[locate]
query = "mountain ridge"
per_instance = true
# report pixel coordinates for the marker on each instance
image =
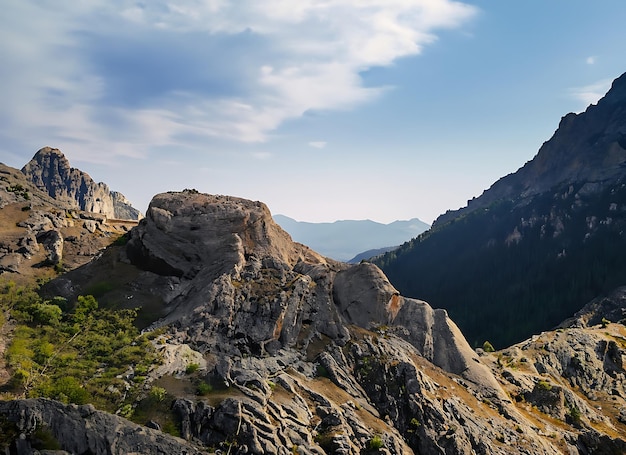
(547, 236)
(595, 153)
(51, 172)
(345, 239)
(258, 344)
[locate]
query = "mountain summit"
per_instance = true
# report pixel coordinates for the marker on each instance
(536, 246)
(588, 147)
(50, 171)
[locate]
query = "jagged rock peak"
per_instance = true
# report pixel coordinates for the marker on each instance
(51, 172)
(617, 93)
(586, 147)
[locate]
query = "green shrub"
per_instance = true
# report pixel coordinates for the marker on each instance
(488, 347)
(575, 416)
(192, 368)
(605, 322)
(46, 313)
(158, 393)
(126, 411)
(73, 357)
(376, 443)
(43, 439)
(204, 388)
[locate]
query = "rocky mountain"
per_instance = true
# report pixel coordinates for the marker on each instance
(536, 246)
(267, 347)
(344, 240)
(586, 148)
(40, 235)
(50, 171)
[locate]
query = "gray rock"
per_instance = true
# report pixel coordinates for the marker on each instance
(52, 241)
(50, 171)
(309, 355)
(82, 429)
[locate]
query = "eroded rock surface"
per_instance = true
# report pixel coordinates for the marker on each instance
(40, 235)
(50, 171)
(298, 353)
(81, 429)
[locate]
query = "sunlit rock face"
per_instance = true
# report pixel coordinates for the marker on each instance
(50, 171)
(309, 355)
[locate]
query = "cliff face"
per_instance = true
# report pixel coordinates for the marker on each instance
(50, 171)
(588, 147)
(309, 355)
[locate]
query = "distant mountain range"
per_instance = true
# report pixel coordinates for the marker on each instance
(346, 240)
(539, 243)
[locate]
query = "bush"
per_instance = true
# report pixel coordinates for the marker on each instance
(544, 385)
(74, 357)
(158, 393)
(376, 443)
(46, 313)
(192, 368)
(488, 347)
(204, 388)
(575, 416)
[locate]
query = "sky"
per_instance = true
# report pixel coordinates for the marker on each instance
(323, 109)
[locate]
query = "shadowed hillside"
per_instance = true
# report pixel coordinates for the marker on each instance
(539, 243)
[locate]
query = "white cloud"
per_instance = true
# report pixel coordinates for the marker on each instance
(591, 60)
(308, 55)
(317, 144)
(590, 94)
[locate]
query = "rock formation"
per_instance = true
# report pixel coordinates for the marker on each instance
(586, 147)
(34, 423)
(308, 355)
(50, 171)
(40, 235)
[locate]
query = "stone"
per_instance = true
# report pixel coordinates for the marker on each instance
(50, 171)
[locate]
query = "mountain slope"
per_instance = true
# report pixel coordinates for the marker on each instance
(536, 246)
(41, 235)
(343, 240)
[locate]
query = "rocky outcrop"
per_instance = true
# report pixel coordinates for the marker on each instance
(541, 242)
(571, 375)
(50, 171)
(609, 308)
(300, 353)
(366, 298)
(40, 235)
(39, 424)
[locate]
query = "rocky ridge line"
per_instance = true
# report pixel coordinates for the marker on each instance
(50, 171)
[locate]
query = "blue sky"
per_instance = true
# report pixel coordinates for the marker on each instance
(322, 109)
